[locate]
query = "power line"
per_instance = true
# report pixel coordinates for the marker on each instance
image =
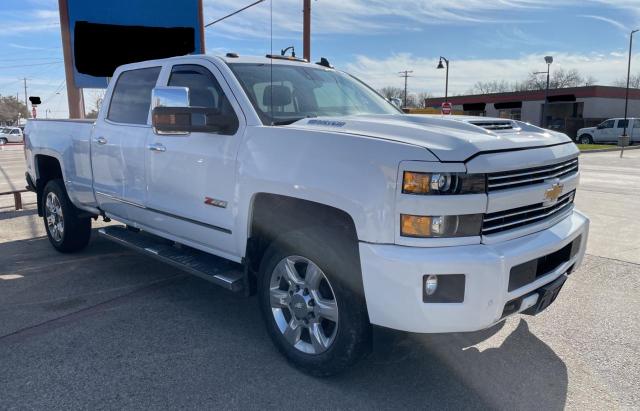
(234, 13)
(30, 65)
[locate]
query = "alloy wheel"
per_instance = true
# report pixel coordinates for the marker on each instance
(53, 214)
(303, 304)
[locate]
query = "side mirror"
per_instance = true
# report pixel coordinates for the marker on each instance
(599, 126)
(170, 97)
(171, 114)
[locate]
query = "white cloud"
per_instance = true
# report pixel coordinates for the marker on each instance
(463, 74)
(613, 22)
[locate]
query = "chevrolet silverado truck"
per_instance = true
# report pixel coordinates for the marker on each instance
(298, 183)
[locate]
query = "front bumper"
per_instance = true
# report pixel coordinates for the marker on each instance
(393, 278)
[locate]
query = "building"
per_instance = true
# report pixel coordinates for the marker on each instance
(568, 110)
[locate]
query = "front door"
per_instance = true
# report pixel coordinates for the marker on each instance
(605, 131)
(118, 144)
(191, 178)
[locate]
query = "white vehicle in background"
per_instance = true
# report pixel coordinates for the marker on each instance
(297, 182)
(11, 135)
(609, 130)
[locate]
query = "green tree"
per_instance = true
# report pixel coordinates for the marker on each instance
(10, 108)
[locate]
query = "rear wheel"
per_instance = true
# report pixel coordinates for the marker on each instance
(315, 313)
(585, 139)
(67, 231)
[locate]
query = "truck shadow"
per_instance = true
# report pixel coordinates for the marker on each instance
(521, 373)
(199, 329)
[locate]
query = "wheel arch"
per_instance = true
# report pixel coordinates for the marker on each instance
(47, 168)
(271, 215)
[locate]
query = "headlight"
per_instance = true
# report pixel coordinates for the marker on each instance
(467, 225)
(442, 183)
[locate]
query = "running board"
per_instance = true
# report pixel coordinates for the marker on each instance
(215, 269)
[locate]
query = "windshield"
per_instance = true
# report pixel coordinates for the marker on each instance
(297, 92)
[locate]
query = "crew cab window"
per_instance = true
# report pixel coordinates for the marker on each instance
(636, 123)
(204, 89)
(623, 123)
(131, 97)
(15, 132)
(607, 124)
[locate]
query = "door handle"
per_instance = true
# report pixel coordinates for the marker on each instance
(101, 140)
(157, 147)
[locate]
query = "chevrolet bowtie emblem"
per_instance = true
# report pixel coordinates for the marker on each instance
(551, 194)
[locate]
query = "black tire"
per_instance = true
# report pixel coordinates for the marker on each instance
(585, 139)
(76, 230)
(3, 141)
(339, 262)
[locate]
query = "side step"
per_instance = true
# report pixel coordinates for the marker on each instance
(218, 270)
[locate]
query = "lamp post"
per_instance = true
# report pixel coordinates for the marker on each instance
(446, 84)
(548, 60)
(626, 97)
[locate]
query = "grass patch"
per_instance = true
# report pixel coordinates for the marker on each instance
(587, 147)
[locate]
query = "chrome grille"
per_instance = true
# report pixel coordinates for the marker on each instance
(516, 217)
(523, 177)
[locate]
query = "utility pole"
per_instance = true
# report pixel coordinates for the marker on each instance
(25, 96)
(306, 30)
(406, 75)
(626, 97)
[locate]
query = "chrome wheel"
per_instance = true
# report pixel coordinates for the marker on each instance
(303, 304)
(585, 140)
(53, 215)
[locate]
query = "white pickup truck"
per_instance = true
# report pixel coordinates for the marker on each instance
(609, 130)
(299, 183)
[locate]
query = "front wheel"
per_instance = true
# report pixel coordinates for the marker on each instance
(67, 231)
(585, 139)
(3, 141)
(314, 310)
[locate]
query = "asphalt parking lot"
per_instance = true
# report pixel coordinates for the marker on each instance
(109, 329)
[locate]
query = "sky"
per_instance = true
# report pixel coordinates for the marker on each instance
(483, 39)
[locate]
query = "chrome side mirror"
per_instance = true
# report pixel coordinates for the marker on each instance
(170, 97)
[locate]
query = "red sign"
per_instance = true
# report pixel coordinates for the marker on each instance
(33, 112)
(446, 108)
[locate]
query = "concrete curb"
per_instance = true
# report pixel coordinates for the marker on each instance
(604, 150)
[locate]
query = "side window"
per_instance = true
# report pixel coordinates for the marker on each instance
(623, 123)
(15, 132)
(204, 89)
(608, 124)
(131, 97)
(636, 123)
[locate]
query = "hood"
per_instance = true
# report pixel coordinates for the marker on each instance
(447, 138)
(586, 129)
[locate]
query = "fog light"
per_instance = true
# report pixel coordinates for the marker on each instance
(431, 284)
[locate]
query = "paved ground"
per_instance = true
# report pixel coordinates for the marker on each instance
(110, 329)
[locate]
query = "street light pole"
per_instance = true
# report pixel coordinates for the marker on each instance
(446, 82)
(548, 60)
(626, 97)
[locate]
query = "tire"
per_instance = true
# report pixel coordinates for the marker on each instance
(67, 231)
(585, 139)
(3, 141)
(318, 345)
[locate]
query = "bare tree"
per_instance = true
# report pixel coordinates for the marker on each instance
(560, 78)
(390, 92)
(97, 103)
(493, 86)
(423, 96)
(634, 81)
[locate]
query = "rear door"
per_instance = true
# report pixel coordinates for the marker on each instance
(191, 178)
(118, 143)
